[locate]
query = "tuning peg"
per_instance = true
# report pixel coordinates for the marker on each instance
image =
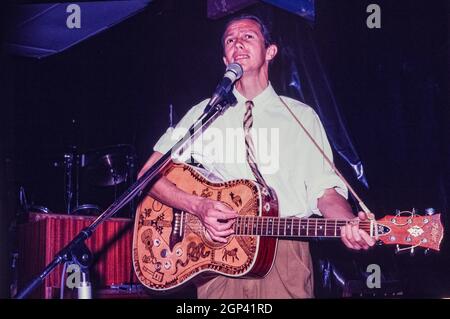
(430, 211)
(426, 251)
(397, 249)
(411, 252)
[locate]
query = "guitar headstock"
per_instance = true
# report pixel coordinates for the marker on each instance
(408, 228)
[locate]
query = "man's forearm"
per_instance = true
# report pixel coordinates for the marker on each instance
(167, 193)
(333, 205)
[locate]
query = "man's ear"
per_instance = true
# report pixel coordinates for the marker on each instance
(271, 52)
(225, 61)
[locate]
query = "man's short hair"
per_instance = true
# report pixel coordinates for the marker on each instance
(262, 26)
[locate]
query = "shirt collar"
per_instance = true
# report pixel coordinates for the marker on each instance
(261, 99)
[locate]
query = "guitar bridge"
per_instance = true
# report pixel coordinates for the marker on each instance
(177, 228)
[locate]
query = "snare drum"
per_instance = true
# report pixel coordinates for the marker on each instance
(86, 210)
(39, 209)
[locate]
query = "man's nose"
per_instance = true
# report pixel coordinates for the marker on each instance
(239, 44)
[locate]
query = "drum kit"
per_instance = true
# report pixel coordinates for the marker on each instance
(105, 167)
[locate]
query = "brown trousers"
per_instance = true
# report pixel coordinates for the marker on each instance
(290, 277)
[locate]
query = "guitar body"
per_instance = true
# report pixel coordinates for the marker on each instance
(171, 247)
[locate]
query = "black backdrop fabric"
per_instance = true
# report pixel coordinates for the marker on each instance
(116, 88)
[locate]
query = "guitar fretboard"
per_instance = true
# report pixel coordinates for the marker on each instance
(291, 226)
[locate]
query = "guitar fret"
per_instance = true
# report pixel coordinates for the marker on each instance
(246, 225)
(260, 225)
(284, 234)
(325, 232)
(247, 228)
(300, 222)
(292, 226)
(307, 227)
(315, 228)
(335, 228)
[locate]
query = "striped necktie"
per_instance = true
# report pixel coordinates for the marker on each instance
(250, 147)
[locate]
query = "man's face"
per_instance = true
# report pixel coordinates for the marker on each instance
(244, 44)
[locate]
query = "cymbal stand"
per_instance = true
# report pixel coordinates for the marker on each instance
(68, 166)
(71, 179)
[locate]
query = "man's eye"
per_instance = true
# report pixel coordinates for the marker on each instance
(248, 36)
(228, 41)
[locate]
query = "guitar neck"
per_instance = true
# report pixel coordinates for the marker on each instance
(293, 227)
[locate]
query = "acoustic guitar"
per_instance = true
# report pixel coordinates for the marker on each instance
(170, 246)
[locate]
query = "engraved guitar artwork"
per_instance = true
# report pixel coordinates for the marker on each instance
(170, 247)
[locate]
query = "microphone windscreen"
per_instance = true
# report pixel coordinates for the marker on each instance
(235, 69)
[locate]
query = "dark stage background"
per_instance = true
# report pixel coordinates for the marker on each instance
(116, 88)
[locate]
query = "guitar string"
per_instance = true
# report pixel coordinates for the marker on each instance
(298, 222)
(278, 230)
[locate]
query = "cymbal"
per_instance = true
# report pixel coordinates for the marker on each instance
(109, 166)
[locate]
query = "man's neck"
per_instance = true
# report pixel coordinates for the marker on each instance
(251, 86)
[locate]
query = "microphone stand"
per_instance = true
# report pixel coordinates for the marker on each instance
(76, 250)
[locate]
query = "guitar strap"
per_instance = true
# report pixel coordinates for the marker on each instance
(363, 206)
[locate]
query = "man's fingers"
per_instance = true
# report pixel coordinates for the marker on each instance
(344, 238)
(351, 238)
(227, 211)
(369, 240)
(221, 215)
(218, 226)
(220, 236)
(363, 215)
(356, 238)
(222, 233)
(355, 234)
(216, 238)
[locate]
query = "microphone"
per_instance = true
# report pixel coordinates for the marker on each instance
(232, 74)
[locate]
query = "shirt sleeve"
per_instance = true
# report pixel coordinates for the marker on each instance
(173, 135)
(319, 175)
